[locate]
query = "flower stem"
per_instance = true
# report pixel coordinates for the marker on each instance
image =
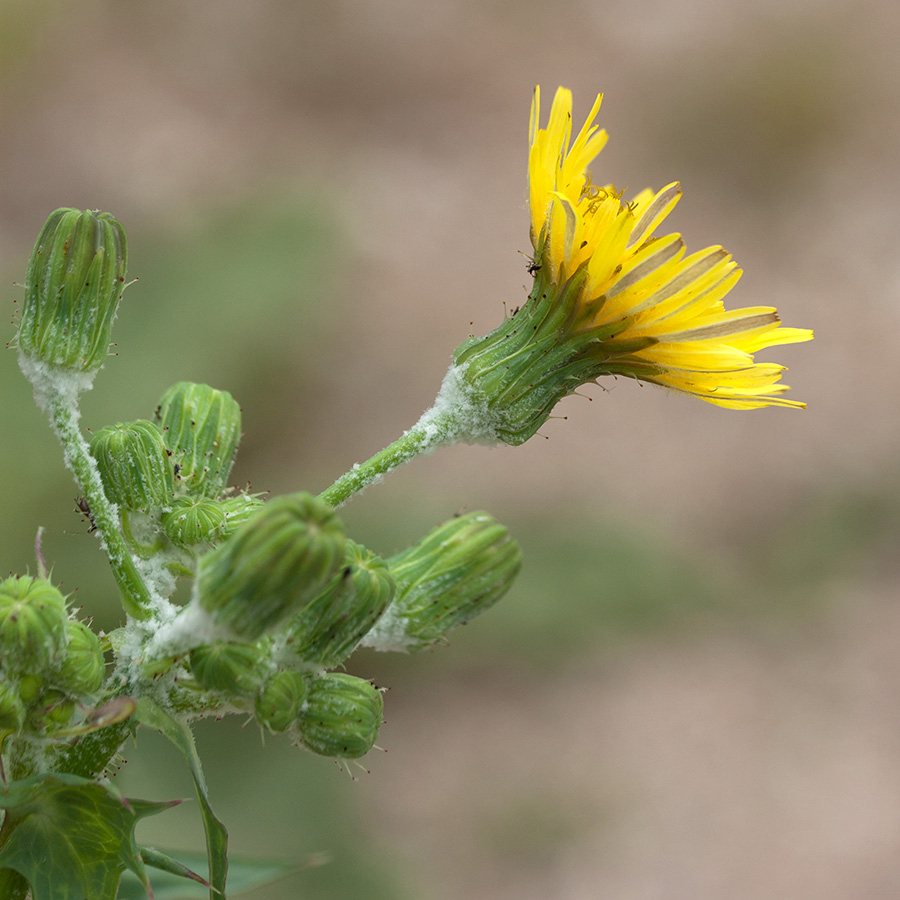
(435, 429)
(58, 398)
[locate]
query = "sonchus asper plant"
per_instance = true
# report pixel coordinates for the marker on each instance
(280, 595)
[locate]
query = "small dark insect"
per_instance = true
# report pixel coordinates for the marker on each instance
(177, 469)
(83, 507)
(533, 268)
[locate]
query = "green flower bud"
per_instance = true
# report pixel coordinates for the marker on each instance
(12, 709)
(238, 509)
(274, 564)
(341, 717)
(456, 572)
(83, 668)
(134, 465)
(280, 700)
(32, 624)
(194, 520)
(202, 428)
(72, 289)
(229, 668)
(329, 629)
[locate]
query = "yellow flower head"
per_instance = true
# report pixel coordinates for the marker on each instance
(610, 298)
(657, 313)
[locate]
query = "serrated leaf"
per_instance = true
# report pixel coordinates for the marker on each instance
(243, 875)
(154, 716)
(72, 838)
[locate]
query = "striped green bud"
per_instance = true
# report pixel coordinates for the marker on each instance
(238, 509)
(341, 717)
(330, 628)
(194, 521)
(278, 561)
(12, 709)
(280, 700)
(134, 465)
(456, 572)
(33, 621)
(202, 428)
(229, 668)
(83, 668)
(72, 289)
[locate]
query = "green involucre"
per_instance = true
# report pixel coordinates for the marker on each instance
(341, 716)
(33, 621)
(72, 289)
(456, 572)
(201, 426)
(279, 560)
(329, 629)
(134, 465)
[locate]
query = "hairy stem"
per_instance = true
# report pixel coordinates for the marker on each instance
(58, 397)
(435, 429)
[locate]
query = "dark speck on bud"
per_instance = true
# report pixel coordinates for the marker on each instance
(72, 289)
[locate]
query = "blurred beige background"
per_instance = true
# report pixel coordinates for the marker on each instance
(323, 199)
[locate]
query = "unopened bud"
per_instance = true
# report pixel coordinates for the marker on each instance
(134, 465)
(280, 700)
(83, 668)
(238, 509)
(202, 428)
(341, 717)
(328, 630)
(72, 288)
(32, 624)
(456, 572)
(229, 668)
(274, 564)
(194, 521)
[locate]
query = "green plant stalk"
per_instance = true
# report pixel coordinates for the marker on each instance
(64, 416)
(429, 433)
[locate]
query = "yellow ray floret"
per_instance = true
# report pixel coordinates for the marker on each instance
(650, 311)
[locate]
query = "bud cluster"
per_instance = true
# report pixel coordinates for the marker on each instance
(49, 662)
(288, 597)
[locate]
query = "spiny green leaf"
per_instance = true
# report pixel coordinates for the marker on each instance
(72, 838)
(243, 875)
(154, 716)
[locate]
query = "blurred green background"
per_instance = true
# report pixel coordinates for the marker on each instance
(691, 691)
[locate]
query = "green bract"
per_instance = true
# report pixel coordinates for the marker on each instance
(329, 629)
(275, 563)
(453, 574)
(341, 716)
(32, 624)
(134, 465)
(72, 288)
(202, 428)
